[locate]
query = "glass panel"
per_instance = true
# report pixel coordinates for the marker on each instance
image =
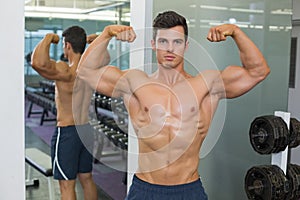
(268, 23)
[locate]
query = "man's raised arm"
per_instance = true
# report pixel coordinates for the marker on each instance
(91, 66)
(41, 61)
(239, 80)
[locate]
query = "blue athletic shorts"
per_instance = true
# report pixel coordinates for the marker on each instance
(70, 151)
(141, 190)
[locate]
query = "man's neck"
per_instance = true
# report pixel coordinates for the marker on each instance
(74, 59)
(170, 76)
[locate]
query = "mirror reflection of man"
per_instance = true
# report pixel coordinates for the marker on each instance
(71, 158)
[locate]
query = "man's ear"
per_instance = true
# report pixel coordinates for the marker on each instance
(153, 45)
(68, 45)
(186, 45)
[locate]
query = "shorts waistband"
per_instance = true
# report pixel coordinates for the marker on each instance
(72, 126)
(165, 188)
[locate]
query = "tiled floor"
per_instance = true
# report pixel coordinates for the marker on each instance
(42, 192)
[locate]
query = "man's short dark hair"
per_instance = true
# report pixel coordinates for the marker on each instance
(169, 19)
(76, 36)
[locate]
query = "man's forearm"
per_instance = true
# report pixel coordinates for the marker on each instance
(96, 55)
(40, 56)
(93, 59)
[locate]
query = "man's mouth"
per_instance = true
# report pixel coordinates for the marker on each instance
(169, 58)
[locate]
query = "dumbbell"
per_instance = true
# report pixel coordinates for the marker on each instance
(115, 138)
(293, 175)
(104, 130)
(119, 108)
(109, 133)
(270, 182)
(98, 101)
(269, 134)
(266, 182)
(104, 102)
(114, 125)
(123, 142)
(108, 104)
(294, 133)
(98, 126)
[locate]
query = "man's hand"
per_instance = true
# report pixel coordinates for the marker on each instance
(219, 33)
(121, 32)
(54, 37)
(90, 38)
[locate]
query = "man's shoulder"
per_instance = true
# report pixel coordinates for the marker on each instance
(136, 73)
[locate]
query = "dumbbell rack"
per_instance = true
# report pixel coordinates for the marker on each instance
(274, 135)
(109, 121)
(44, 98)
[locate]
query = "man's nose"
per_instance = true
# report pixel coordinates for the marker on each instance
(170, 47)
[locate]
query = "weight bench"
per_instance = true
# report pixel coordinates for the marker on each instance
(42, 163)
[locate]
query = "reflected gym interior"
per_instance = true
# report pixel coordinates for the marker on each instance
(256, 155)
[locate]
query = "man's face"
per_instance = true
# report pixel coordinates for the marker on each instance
(170, 46)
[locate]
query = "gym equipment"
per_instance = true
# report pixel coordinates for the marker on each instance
(45, 101)
(110, 123)
(112, 116)
(293, 175)
(44, 96)
(269, 134)
(266, 182)
(294, 138)
(47, 86)
(269, 182)
(42, 163)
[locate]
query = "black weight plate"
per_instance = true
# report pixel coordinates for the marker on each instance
(268, 134)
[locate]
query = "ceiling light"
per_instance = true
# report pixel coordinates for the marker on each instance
(52, 9)
(282, 12)
(74, 16)
(213, 7)
(246, 10)
(69, 10)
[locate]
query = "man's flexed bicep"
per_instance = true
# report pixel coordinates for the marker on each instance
(240, 79)
(45, 66)
(229, 83)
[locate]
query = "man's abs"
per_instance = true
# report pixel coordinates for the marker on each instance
(158, 169)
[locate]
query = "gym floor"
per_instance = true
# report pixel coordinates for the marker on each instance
(41, 192)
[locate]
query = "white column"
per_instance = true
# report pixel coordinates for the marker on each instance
(140, 54)
(12, 167)
(280, 159)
